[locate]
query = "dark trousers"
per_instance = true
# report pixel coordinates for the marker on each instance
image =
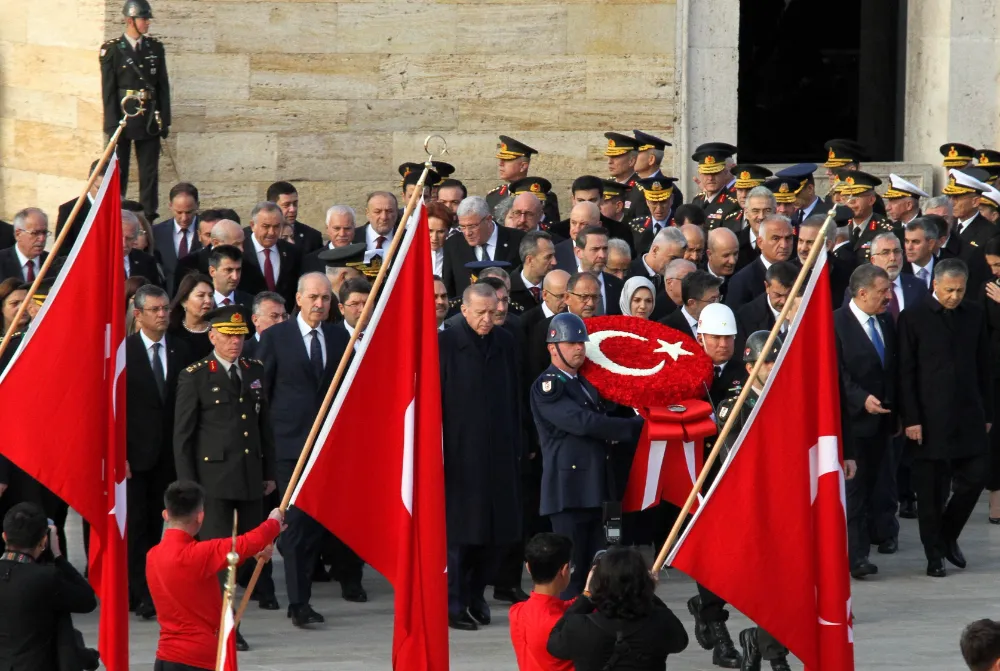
(713, 606)
(904, 474)
(511, 569)
(770, 647)
(160, 665)
(940, 522)
(585, 527)
(299, 544)
(870, 452)
(144, 494)
(219, 524)
(470, 568)
(993, 478)
(147, 154)
(885, 498)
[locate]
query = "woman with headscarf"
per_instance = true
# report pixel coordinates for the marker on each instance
(638, 297)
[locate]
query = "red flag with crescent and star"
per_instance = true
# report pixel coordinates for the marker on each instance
(780, 493)
(78, 448)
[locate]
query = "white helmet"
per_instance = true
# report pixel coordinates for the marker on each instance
(717, 319)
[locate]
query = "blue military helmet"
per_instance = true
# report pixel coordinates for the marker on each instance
(567, 327)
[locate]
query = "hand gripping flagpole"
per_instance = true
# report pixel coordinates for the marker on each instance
(342, 367)
(40, 275)
(232, 558)
(807, 267)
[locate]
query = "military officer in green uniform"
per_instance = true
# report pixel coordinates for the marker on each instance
(843, 156)
(748, 176)
(757, 644)
(717, 196)
(514, 161)
(647, 165)
(657, 194)
(223, 438)
(135, 64)
(857, 190)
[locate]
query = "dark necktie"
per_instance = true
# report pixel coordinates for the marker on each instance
(226, 301)
(268, 270)
(718, 372)
(893, 304)
(379, 241)
(182, 249)
(29, 271)
(583, 385)
(316, 353)
(855, 234)
(234, 377)
(486, 253)
(158, 374)
(536, 294)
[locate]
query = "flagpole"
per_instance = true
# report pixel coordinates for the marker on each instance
(40, 275)
(227, 596)
(345, 358)
(807, 267)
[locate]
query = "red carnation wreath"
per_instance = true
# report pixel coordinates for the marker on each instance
(644, 364)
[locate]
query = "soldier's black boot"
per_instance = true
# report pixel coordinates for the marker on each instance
(724, 653)
(701, 631)
(780, 664)
(751, 650)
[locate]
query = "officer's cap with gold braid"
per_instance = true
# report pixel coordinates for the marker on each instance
(230, 320)
(509, 149)
(991, 198)
(803, 172)
(656, 189)
(537, 186)
(989, 160)
(647, 141)
(42, 292)
(900, 188)
(749, 175)
(783, 188)
(855, 182)
(620, 144)
(956, 154)
(843, 152)
(961, 182)
(711, 157)
(613, 189)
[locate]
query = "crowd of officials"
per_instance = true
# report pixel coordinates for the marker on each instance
(235, 333)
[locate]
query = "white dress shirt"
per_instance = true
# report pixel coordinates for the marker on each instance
(275, 257)
(897, 288)
(863, 318)
(600, 280)
(132, 42)
(812, 209)
(546, 311)
(962, 225)
(371, 240)
(528, 285)
(148, 344)
(777, 314)
(692, 322)
(22, 260)
(350, 334)
(179, 232)
(437, 260)
(491, 246)
(929, 268)
(307, 336)
(219, 298)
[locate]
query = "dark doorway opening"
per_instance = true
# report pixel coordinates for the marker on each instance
(811, 71)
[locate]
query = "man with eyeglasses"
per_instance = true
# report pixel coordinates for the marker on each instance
(137, 263)
(481, 239)
(24, 260)
(887, 254)
(760, 203)
(698, 289)
(152, 363)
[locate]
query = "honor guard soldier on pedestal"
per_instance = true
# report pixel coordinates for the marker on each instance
(134, 64)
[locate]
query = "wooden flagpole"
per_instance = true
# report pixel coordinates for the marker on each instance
(105, 157)
(734, 413)
(342, 367)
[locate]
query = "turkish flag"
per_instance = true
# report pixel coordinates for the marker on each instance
(379, 485)
(79, 452)
(227, 661)
(780, 494)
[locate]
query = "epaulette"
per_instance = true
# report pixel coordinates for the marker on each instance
(195, 366)
(106, 47)
(13, 335)
(517, 306)
(152, 39)
(455, 302)
(495, 189)
(640, 225)
(700, 194)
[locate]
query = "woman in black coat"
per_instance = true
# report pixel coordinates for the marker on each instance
(991, 301)
(618, 624)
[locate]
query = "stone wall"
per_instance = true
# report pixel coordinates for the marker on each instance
(335, 95)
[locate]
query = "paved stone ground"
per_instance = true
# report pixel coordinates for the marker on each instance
(904, 620)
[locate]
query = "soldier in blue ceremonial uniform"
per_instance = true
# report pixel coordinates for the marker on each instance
(575, 434)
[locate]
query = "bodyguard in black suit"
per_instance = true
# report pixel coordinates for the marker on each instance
(278, 261)
(6, 235)
(153, 363)
(954, 247)
(946, 406)
(37, 597)
(866, 355)
(761, 313)
(481, 239)
(300, 358)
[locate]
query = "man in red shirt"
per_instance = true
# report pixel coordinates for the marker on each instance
(547, 557)
(183, 578)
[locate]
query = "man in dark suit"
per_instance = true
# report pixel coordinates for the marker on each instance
(153, 363)
(268, 310)
(667, 245)
(37, 597)
(964, 189)
(722, 252)
(278, 261)
(761, 313)
(581, 216)
(698, 290)
(223, 438)
(776, 243)
(838, 269)
(25, 259)
(66, 209)
(591, 255)
(137, 262)
(481, 239)
(340, 228)
(176, 238)
(300, 358)
(866, 354)
(760, 203)
(887, 254)
(952, 246)
(6, 235)
(946, 406)
(306, 238)
(538, 258)
(225, 265)
(224, 232)
(383, 214)
(589, 188)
